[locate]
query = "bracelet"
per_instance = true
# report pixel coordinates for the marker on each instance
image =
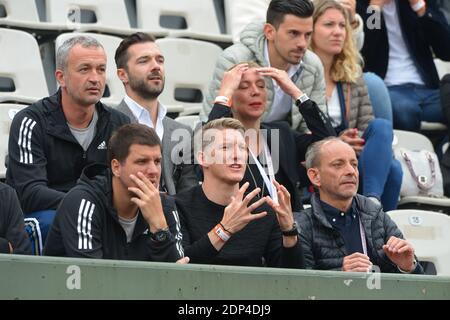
(223, 227)
(223, 100)
(221, 233)
(418, 6)
(291, 232)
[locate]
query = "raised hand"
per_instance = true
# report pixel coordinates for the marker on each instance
(350, 6)
(238, 213)
(284, 214)
(149, 202)
(283, 80)
(231, 80)
(351, 137)
(400, 252)
(283, 208)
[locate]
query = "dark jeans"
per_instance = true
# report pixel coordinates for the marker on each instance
(412, 103)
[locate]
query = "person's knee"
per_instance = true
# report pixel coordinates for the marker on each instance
(381, 128)
(379, 96)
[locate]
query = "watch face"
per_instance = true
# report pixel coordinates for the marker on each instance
(160, 235)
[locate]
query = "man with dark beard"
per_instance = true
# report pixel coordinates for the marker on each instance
(140, 66)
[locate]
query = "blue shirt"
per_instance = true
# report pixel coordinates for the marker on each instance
(347, 224)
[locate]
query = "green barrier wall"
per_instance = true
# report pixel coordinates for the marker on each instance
(31, 277)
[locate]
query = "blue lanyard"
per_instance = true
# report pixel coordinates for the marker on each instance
(344, 122)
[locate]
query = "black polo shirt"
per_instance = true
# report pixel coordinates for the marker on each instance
(347, 224)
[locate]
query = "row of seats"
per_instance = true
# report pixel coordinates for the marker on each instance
(193, 19)
(189, 68)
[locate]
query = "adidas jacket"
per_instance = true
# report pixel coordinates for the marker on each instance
(45, 159)
(86, 225)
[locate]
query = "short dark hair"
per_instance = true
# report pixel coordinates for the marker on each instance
(121, 56)
(279, 8)
(127, 135)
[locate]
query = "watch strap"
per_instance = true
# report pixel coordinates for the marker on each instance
(291, 232)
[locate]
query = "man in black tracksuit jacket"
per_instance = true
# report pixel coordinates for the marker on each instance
(119, 213)
(45, 171)
(52, 140)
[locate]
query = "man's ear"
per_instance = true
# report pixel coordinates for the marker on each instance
(269, 31)
(115, 167)
(59, 75)
(314, 176)
(201, 159)
(123, 76)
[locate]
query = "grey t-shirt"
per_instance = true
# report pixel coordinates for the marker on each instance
(128, 226)
(86, 135)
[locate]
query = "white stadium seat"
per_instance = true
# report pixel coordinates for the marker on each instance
(189, 64)
(20, 61)
(7, 113)
(429, 233)
(200, 16)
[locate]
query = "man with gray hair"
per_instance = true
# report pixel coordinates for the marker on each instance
(52, 140)
(343, 230)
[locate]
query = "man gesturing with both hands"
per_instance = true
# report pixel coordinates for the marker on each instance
(221, 224)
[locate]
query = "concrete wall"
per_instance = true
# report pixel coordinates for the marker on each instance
(32, 277)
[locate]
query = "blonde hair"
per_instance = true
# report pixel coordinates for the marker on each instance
(251, 65)
(219, 124)
(347, 64)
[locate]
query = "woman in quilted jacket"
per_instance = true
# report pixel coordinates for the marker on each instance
(349, 106)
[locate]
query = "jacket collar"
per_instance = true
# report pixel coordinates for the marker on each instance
(98, 178)
(57, 121)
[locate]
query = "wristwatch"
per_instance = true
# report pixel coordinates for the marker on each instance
(160, 235)
(291, 232)
(304, 97)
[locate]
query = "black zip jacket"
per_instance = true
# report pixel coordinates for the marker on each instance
(423, 36)
(292, 145)
(12, 229)
(86, 225)
(45, 159)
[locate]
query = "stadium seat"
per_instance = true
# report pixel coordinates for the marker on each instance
(416, 141)
(443, 67)
(432, 126)
(23, 14)
(7, 113)
(104, 16)
(429, 233)
(189, 64)
(190, 121)
(411, 140)
(200, 17)
(114, 85)
(21, 66)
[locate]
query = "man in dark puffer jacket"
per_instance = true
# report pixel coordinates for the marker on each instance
(343, 230)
